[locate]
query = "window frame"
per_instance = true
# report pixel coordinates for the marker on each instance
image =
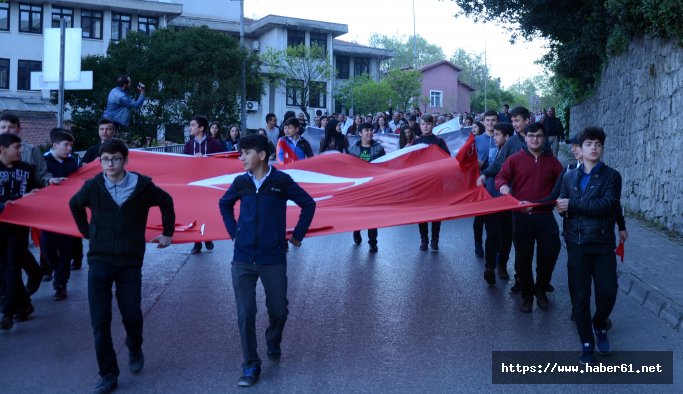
(361, 60)
(63, 12)
(24, 75)
(92, 17)
(294, 100)
(347, 64)
(117, 22)
(291, 33)
(432, 95)
(7, 62)
(147, 23)
(317, 94)
(316, 38)
(31, 12)
(6, 7)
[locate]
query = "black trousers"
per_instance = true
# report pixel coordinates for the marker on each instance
(478, 228)
(59, 253)
(128, 282)
(372, 236)
(274, 281)
(13, 249)
(541, 231)
(424, 231)
(498, 238)
(596, 264)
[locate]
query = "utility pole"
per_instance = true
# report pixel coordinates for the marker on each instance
(486, 74)
(62, 50)
(414, 40)
(243, 94)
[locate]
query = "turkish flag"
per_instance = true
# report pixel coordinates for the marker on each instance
(415, 184)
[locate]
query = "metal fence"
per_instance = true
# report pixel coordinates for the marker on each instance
(177, 148)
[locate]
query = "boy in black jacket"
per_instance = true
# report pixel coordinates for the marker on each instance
(259, 236)
(119, 203)
(16, 180)
(589, 200)
(58, 248)
(427, 137)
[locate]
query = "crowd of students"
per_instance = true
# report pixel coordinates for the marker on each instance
(515, 159)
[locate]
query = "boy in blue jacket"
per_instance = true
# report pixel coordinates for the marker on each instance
(259, 236)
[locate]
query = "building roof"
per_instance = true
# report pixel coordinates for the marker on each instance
(466, 85)
(36, 126)
(342, 47)
(437, 64)
(254, 28)
(143, 7)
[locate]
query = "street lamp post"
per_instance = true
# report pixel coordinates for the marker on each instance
(243, 72)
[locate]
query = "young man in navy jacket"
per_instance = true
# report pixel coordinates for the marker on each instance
(259, 236)
(589, 201)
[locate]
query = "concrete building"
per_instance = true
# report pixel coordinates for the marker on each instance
(442, 91)
(22, 24)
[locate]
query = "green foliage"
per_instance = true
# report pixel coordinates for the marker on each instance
(403, 51)
(301, 67)
(405, 85)
(581, 33)
(186, 72)
(365, 95)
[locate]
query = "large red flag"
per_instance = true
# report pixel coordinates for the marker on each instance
(416, 184)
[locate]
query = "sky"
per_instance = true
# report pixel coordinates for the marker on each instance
(434, 20)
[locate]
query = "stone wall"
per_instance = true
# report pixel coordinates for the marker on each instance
(639, 103)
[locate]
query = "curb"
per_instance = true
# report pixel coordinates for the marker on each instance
(651, 299)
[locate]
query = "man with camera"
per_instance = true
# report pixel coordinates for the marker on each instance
(119, 103)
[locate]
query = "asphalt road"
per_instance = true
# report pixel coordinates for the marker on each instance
(401, 320)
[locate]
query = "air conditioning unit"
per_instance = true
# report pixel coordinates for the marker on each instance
(252, 106)
(256, 45)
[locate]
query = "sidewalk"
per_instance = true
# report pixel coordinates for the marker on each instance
(652, 273)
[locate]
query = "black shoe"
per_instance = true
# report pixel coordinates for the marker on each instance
(550, 288)
(24, 315)
(435, 245)
(609, 324)
(373, 249)
(503, 273)
(197, 248)
(60, 294)
(33, 284)
(106, 384)
(516, 288)
(6, 323)
(527, 304)
(209, 245)
(249, 376)
(490, 276)
(274, 357)
(47, 277)
(357, 239)
(136, 360)
(423, 245)
(479, 250)
(542, 300)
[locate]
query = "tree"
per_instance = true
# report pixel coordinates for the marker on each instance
(301, 71)
(365, 95)
(405, 86)
(186, 72)
(403, 51)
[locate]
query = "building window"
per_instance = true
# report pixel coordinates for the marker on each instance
(26, 67)
(147, 25)
(361, 65)
(120, 26)
(4, 73)
(320, 39)
(342, 67)
(4, 16)
(296, 38)
(317, 95)
(30, 18)
(435, 98)
(294, 92)
(66, 13)
(91, 23)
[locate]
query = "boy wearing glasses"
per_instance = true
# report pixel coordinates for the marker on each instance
(119, 203)
(530, 176)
